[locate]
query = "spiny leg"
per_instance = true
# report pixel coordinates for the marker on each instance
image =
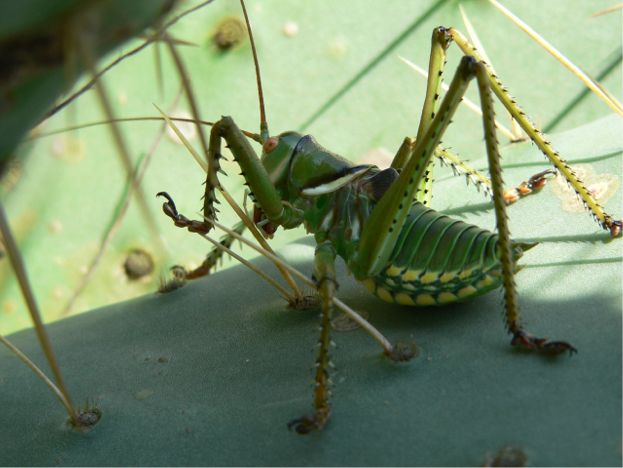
(437, 61)
(603, 218)
(534, 184)
(520, 337)
(436, 64)
(381, 231)
(324, 273)
(440, 42)
(388, 217)
(256, 177)
(215, 255)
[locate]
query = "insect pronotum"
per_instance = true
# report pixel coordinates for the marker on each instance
(378, 221)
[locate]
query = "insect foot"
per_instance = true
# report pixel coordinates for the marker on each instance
(179, 219)
(308, 424)
(532, 343)
(402, 352)
(177, 281)
(533, 184)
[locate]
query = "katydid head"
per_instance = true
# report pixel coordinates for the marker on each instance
(276, 154)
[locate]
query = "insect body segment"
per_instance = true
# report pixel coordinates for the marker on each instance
(438, 260)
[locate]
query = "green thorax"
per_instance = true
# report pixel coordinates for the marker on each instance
(334, 196)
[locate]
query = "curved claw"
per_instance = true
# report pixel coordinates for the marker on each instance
(558, 347)
(169, 209)
(616, 228)
(532, 343)
(304, 425)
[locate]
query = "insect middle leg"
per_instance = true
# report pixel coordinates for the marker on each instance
(324, 275)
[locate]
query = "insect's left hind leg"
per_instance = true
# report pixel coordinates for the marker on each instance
(324, 274)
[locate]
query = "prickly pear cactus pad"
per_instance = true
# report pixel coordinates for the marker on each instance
(210, 374)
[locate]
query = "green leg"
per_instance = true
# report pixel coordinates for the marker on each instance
(437, 60)
(525, 188)
(256, 177)
(215, 254)
(603, 218)
(382, 228)
(441, 39)
(520, 337)
(324, 274)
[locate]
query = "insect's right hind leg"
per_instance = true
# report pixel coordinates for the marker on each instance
(605, 220)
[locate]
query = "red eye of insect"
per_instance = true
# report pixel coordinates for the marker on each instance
(270, 144)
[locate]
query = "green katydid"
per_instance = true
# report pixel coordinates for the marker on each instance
(378, 221)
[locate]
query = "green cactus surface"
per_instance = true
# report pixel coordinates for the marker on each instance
(324, 73)
(210, 374)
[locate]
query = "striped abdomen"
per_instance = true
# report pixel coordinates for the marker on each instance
(439, 260)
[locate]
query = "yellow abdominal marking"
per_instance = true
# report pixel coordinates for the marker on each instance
(484, 282)
(425, 299)
(466, 291)
(428, 278)
(446, 297)
(404, 299)
(447, 277)
(410, 275)
(393, 271)
(384, 294)
(465, 274)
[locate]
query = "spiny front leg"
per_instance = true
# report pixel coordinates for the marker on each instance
(520, 337)
(216, 254)
(324, 273)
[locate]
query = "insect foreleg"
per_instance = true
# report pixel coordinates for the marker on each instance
(520, 338)
(324, 274)
(256, 177)
(215, 254)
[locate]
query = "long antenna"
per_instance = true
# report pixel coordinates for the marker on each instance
(263, 124)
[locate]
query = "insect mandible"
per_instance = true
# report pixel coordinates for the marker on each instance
(378, 221)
